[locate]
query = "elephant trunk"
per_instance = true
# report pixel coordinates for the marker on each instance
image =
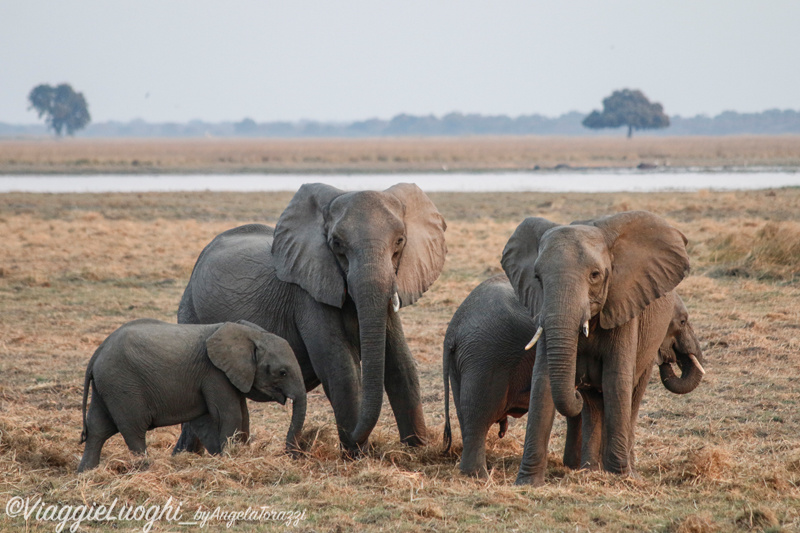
(298, 419)
(371, 287)
(691, 369)
(561, 331)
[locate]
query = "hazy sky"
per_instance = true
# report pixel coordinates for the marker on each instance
(166, 60)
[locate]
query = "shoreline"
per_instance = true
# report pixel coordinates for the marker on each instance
(559, 169)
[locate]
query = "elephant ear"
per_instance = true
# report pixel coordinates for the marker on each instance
(231, 349)
(519, 256)
(300, 247)
(425, 250)
(649, 259)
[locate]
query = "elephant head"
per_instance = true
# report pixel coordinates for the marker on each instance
(597, 273)
(263, 367)
(682, 347)
(381, 249)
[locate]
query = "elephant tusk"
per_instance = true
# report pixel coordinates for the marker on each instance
(395, 302)
(585, 329)
(697, 363)
(534, 339)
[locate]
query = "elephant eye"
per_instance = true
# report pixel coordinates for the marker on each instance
(282, 373)
(596, 275)
(400, 241)
(338, 245)
(683, 322)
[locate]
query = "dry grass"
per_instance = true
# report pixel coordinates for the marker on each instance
(391, 155)
(724, 458)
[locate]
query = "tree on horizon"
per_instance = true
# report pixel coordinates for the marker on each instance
(62, 107)
(628, 108)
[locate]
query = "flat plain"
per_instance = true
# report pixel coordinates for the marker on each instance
(74, 267)
(402, 154)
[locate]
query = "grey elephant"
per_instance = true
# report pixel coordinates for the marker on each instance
(486, 361)
(149, 374)
(330, 279)
(595, 288)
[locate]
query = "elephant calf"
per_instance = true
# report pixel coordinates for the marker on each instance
(485, 360)
(149, 374)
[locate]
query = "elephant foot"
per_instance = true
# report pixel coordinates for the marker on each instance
(352, 453)
(590, 465)
(414, 441)
(622, 470)
(188, 442)
(633, 474)
(531, 480)
(480, 473)
(294, 450)
(572, 462)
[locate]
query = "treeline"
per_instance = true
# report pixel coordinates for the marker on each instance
(771, 122)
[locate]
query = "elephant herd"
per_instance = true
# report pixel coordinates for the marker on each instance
(270, 313)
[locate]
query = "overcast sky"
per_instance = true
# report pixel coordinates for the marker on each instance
(344, 60)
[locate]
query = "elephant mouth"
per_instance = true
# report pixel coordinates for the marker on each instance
(280, 398)
(267, 396)
(684, 361)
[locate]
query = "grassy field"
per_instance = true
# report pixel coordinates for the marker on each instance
(391, 155)
(724, 458)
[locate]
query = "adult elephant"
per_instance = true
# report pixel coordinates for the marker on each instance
(486, 361)
(330, 279)
(595, 288)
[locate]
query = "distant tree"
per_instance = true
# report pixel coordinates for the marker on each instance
(247, 126)
(62, 107)
(628, 108)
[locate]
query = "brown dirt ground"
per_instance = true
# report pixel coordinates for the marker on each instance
(725, 458)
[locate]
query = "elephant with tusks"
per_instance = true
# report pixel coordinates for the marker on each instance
(330, 278)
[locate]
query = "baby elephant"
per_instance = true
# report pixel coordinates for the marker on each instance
(485, 360)
(149, 374)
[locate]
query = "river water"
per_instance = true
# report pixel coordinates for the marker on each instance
(432, 182)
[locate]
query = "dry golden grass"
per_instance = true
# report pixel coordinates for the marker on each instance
(391, 154)
(724, 458)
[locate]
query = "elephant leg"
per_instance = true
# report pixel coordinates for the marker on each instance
(480, 404)
(341, 388)
(638, 394)
(224, 412)
(541, 412)
(473, 458)
(335, 362)
(135, 439)
(592, 430)
(131, 416)
(618, 371)
(188, 441)
(205, 430)
(401, 382)
(572, 446)
(99, 428)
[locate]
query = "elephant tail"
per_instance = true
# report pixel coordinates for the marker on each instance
(448, 434)
(86, 383)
